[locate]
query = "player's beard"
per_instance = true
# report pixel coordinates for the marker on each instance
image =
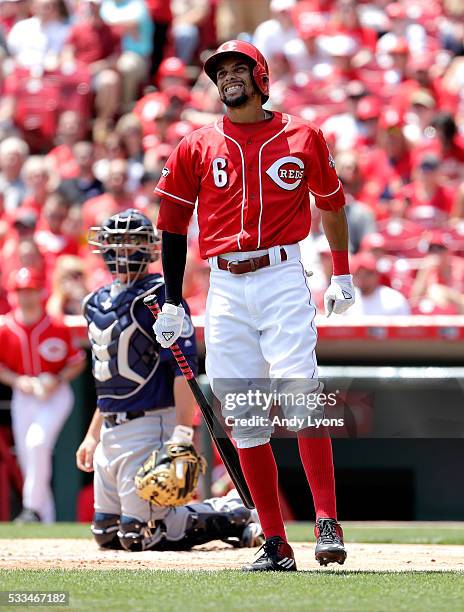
(240, 100)
(236, 102)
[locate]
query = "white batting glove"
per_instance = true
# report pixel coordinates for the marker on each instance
(339, 295)
(168, 325)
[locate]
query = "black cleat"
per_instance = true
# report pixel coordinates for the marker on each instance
(27, 516)
(277, 557)
(329, 546)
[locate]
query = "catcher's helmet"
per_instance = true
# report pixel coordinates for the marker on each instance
(240, 47)
(128, 242)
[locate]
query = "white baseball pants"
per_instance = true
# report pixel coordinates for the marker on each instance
(259, 325)
(36, 426)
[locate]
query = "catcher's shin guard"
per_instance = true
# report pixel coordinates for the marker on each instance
(206, 526)
(202, 526)
(136, 536)
(105, 530)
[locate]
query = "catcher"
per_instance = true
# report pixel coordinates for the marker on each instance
(139, 442)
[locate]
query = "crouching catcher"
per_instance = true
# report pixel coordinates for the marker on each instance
(139, 442)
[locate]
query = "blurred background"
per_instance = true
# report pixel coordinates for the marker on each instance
(95, 94)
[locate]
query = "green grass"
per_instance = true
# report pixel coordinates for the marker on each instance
(400, 533)
(36, 530)
(168, 591)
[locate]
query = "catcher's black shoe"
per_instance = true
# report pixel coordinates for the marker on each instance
(28, 516)
(329, 547)
(277, 557)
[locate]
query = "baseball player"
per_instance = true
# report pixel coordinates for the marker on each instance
(143, 403)
(248, 176)
(38, 360)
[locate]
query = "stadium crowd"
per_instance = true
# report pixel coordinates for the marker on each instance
(95, 94)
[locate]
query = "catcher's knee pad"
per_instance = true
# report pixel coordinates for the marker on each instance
(134, 535)
(105, 530)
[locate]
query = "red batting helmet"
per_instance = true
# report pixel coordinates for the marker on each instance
(240, 47)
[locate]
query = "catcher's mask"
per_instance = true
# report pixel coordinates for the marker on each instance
(128, 242)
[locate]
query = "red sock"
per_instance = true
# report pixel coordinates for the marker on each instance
(316, 456)
(260, 471)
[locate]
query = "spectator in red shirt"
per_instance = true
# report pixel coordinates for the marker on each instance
(94, 43)
(20, 225)
(85, 185)
(439, 284)
(50, 236)
(387, 167)
(363, 187)
(428, 200)
(421, 112)
(12, 11)
(398, 56)
(345, 20)
(343, 49)
(68, 133)
(116, 198)
(457, 212)
(368, 112)
(419, 76)
(20, 249)
(4, 303)
(396, 148)
(36, 177)
(449, 146)
(172, 72)
(129, 130)
(68, 287)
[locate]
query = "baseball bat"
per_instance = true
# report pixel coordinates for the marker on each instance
(226, 449)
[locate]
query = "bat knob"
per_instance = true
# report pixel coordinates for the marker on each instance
(150, 300)
(152, 303)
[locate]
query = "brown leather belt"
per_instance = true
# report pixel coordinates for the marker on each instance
(247, 265)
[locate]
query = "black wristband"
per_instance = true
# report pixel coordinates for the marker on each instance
(174, 257)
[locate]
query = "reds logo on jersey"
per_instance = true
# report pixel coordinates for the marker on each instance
(53, 349)
(287, 172)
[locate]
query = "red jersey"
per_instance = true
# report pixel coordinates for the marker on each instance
(442, 199)
(98, 209)
(160, 10)
(252, 182)
(93, 42)
(46, 346)
(62, 159)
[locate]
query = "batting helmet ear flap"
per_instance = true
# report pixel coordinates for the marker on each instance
(261, 79)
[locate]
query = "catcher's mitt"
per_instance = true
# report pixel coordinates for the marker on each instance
(169, 477)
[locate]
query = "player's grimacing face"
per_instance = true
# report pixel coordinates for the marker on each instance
(234, 82)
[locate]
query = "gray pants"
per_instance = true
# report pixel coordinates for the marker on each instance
(121, 451)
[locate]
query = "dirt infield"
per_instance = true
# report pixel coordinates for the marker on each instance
(84, 554)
